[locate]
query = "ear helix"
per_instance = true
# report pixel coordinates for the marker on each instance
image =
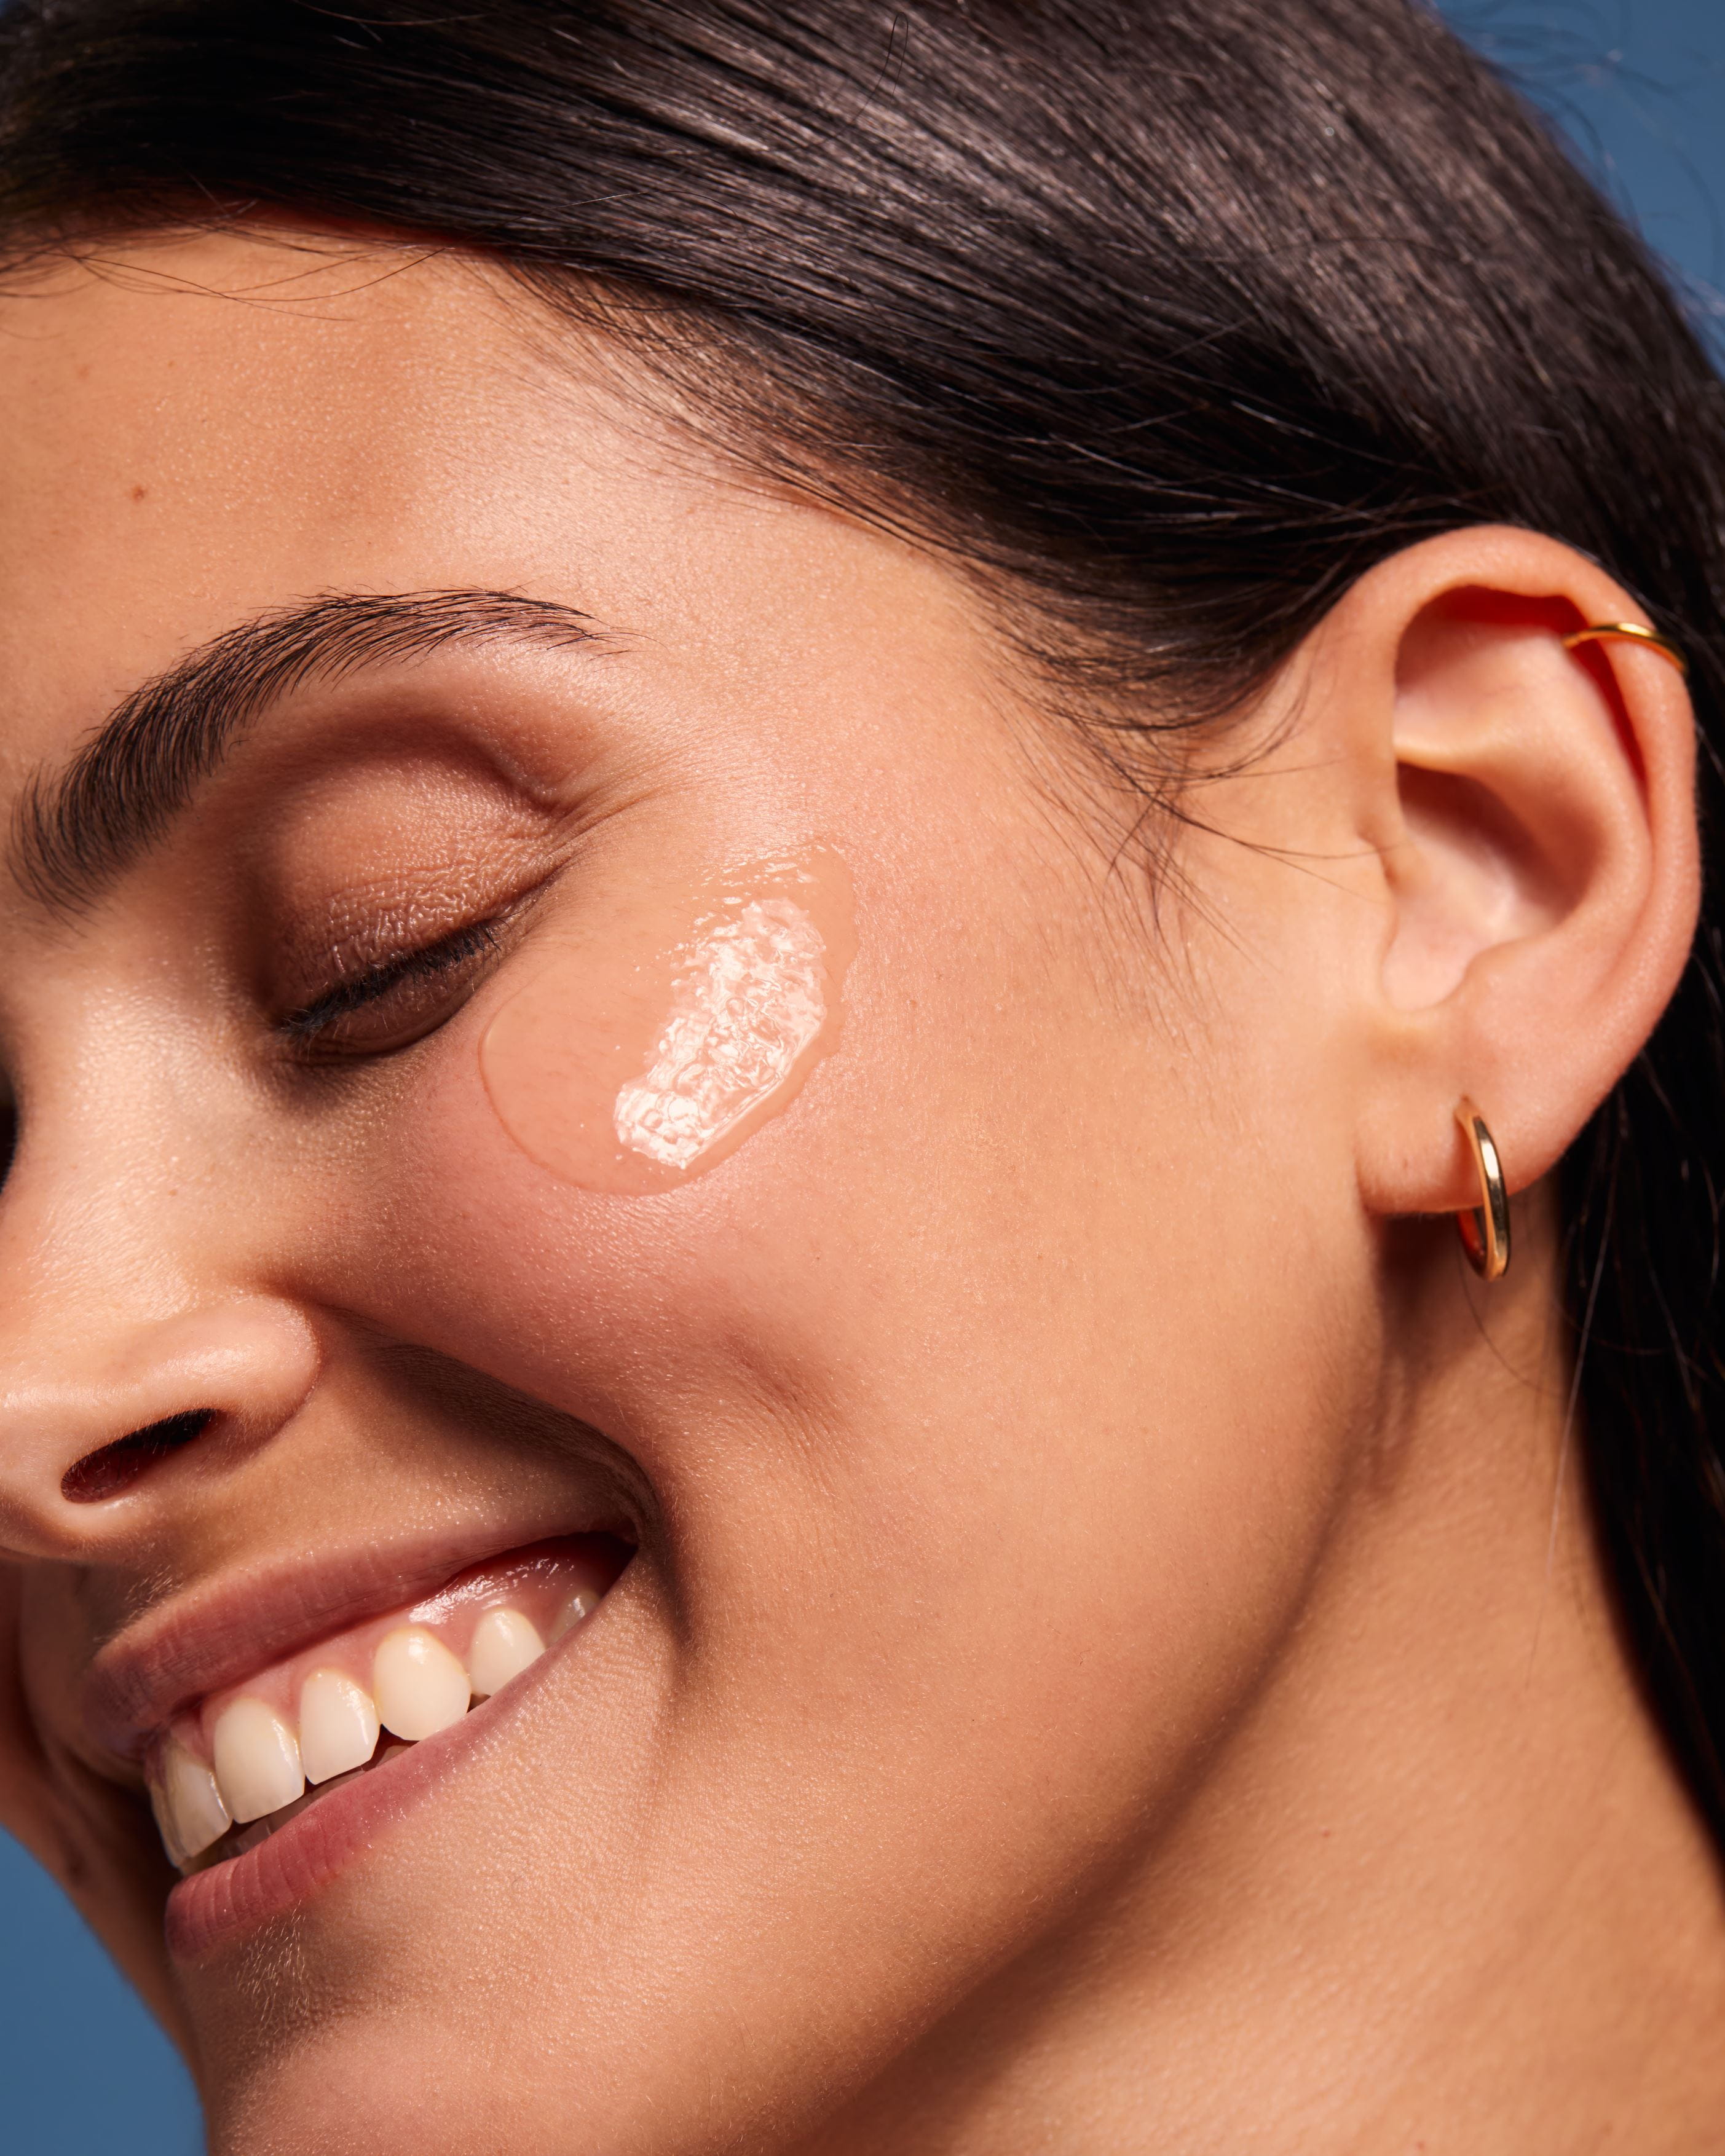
(1484, 1228)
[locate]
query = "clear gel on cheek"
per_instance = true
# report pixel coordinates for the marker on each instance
(655, 1042)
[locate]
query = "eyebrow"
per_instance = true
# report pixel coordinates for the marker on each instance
(73, 831)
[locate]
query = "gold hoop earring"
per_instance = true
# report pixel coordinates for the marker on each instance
(1628, 632)
(1484, 1228)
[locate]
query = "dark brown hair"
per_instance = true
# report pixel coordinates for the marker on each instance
(1174, 315)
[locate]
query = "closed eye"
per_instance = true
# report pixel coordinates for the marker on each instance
(395, 1001)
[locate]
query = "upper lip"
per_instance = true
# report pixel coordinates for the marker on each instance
(220, 1633)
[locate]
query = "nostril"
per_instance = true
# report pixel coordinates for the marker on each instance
(105, 1472)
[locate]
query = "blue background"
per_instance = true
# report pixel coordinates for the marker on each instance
(1640, 86)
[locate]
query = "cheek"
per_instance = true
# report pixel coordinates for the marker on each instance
(983, 1502)
(536, 1201)
(653, 1045)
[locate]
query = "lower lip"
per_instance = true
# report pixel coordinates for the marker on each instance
(214, 1909)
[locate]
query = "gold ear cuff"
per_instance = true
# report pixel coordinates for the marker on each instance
(1628, 632)
(1484, 1228)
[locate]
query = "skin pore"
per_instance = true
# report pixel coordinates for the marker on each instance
(1114, 1656)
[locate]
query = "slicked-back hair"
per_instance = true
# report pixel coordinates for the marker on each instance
(1166, 318)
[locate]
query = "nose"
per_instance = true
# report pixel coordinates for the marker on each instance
(138, 1310)
(80, 1430)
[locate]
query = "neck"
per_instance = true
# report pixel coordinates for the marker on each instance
(1441, 1885)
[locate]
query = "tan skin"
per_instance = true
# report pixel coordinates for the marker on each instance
(1117, 1658)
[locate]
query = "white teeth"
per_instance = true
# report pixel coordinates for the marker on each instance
(257, 1760)
(419, 1686)
(504, 1643)
(576, 1610)
(186, 1803)
(260, 1764)
(200, 1817)
(165, 1825)
(338, 1725)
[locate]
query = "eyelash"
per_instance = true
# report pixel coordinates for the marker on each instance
(308, 1026)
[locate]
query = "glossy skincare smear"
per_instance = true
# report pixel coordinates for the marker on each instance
(751, 1000)
(659, 1035)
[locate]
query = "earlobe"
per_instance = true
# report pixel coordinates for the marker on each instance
(1539, 859)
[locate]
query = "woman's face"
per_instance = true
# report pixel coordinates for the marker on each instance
(795, 1155)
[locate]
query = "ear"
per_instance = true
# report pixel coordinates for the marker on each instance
(1532, 811)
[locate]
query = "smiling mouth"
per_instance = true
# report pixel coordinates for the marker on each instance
(234, 1769)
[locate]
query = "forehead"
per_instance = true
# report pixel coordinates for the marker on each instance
(192, 432)
(203, 431)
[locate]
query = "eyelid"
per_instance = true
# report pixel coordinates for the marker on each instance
(446, 954)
